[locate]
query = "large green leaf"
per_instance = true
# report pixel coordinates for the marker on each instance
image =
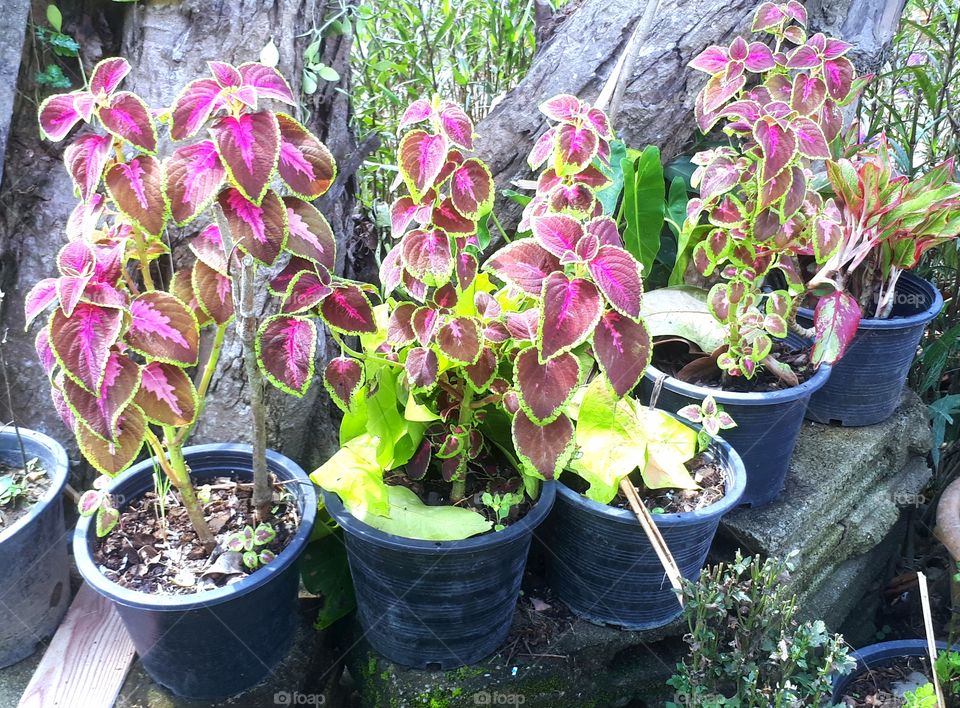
(681, 311)
(670, 444)
(325, 571)
(409, 517)
(354, 474)
(687, 239)
(643, 205)
(609, 196)
(384, 419)
(941, 414)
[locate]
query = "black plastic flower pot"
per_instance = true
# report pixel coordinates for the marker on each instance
(437, 604)
(768, 424)
(867, 382)
(879, 655)
(214, 643)
(602, 566)
(35, 575)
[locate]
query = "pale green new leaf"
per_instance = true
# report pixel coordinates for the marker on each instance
(682, 311)
(354, 474)
(409, 517)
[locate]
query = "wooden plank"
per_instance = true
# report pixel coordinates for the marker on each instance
(87, 660)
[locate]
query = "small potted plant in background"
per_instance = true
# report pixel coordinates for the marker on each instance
(887, 671)
(780, 106)
(872, 311)
(208, 617)
(35, 583)
(747, 647)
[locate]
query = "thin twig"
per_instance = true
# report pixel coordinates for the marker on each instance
(653, 534)
(931, 642)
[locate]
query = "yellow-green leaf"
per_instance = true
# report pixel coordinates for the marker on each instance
(354, 474)
(411, 518)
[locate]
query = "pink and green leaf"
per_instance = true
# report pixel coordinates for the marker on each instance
(107, 75)
(523, 264)
(472, 189)
(342, 378)
(126, 116)
(101, 412)
(481, 373)
(249, 148)
(113, 457)
(163, 328)
(81, 343)
(421, 366)
(427, 254)
(348, 310)
(546, 449)
(267, 81)
(456, 125)
(193, 107)
(623, 350)
(575, 148)
(307, 290)
(136, 187)
(41, 296)
(545, 388)
(193, 174)
(58, 114)
(617, 274)
(310, 235)
(835, 322)
(260, 230)
(460, 340)
(85, 158)
(573, 307)
(213, 292)
(421, 156)
(305, 164)
(557, 233)
(286, 349)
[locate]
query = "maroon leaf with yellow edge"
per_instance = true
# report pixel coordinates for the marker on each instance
(400, 325)
(129, 118)
(471, 189)
(85, 159)
(562, 107)
(807, 94)
(107, 75)
(214, 292)
(466, 268)
(342, 379)
(249, 147)
(310, 235)
(260, 230)
(193, 106)
(523, 264)
(101, 412)
(181, 287)
(523, 325)
(286, 348)
(425, 321)
(267, 82)
(348, 310)
(838, 74)
(460, 340)
(136, 187)
(481, 373)
(545, 388)
(545, 448)
(112, 458)
(835, 322)
(167, 395)
(40, 297)
(421, 366)
(307, 290)
(69, 291)
(58, 114)
(81, 343)
(421, 157)
(445, 216)
(193, 175)
(622, 347)
(542, 149)
(558, 233)
(162, 327)
(305, 164)
(575, 148)
(617, 275)
(778, 146)
(427, 255)
(456, 125)
(811, 142)
(572, 307)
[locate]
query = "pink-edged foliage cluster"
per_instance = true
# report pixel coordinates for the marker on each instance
(779, 100)
(123, 330)
(877, 225)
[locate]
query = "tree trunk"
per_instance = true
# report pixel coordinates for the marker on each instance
(657, 106)
(168, 44)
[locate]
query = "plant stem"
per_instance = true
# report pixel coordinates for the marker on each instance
(176, 470)
(499, 226)
(209, 368)
(465, 419)
(144, 262)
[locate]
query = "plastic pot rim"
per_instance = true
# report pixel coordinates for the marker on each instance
(872, 654)
(920, 318)
(355, 527)
(733, 464)
(58, 476)
(756, 398)
(207, 598)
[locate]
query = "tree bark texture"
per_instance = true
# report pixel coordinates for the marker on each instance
(657, 106)
(168, 44)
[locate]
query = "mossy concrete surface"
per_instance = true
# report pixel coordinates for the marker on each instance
(843, 497)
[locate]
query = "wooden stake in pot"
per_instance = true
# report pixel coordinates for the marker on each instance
(931, 643)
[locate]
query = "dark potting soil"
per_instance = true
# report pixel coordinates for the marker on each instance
(674, 357)
(874, 688)
(709, 474)
(154, 549)
(20, 489)
(434, 491)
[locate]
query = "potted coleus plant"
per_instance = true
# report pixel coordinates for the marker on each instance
(207, 584)
(780, 106)
(600, 563)
(454, 424)
(872, 311)
(35, 584)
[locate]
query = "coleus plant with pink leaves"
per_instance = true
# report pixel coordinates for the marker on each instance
(124, 326)
(470, 365)
(877, 225)
(780, 103)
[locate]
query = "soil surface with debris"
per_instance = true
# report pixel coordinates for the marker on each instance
(684, 361)
(706, 472)
(877, 687)
(20, 489)
(154, 549)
